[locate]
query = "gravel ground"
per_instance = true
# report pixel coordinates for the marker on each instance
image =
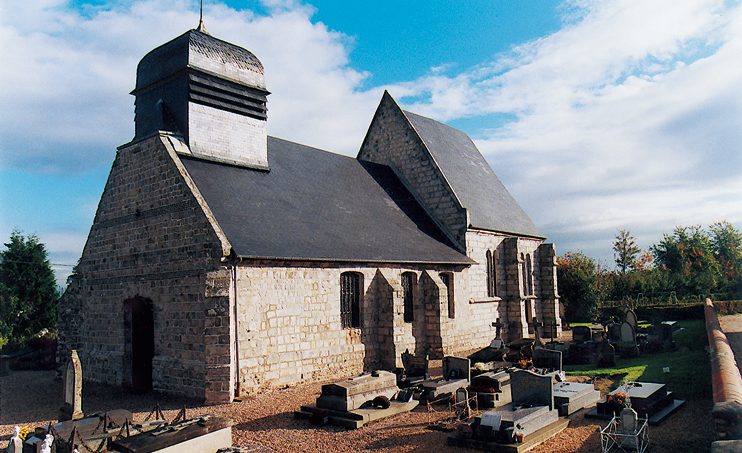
(32, 398)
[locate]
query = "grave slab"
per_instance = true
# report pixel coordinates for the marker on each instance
(352, 393)
(528, 443)
(201, 435)
(569, 397)
(491, 389)
(650, 400)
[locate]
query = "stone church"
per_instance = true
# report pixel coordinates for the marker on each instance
(223, 260)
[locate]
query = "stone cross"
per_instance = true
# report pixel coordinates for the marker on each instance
(537, 332)
(497, 325)
(73, 386)
(550, 328)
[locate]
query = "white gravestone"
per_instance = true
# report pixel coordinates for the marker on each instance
(73, 386)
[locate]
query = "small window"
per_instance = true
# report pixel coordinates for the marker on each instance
(350, 300)
(447, 278)
(409, 287)
(491, 273)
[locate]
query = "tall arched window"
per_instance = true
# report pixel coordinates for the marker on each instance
(409, 287)
(350, 299)
(491, 273)
(529, 275)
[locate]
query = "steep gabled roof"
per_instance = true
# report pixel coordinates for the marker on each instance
(480, 191)
(316, 205)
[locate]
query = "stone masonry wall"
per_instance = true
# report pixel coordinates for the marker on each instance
(150, 238)
(289, 327)
(391, 140)
(511, 303)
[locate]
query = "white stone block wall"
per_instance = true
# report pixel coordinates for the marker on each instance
(227, 136)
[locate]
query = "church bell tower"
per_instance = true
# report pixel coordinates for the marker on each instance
(210, 92)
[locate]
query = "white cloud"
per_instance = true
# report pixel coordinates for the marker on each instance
(627, 118)
(71, 73)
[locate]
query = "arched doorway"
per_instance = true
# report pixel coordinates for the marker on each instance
(139, 348)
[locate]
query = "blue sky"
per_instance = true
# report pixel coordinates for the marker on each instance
(598, 115)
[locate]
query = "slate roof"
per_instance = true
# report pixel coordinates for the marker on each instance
(316, 205)
(480, 191)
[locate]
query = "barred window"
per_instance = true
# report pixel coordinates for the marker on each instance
(409, 287)
(350, 299)
(491, 273)
(447, 278)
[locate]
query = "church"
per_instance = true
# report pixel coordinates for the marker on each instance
(222, 260)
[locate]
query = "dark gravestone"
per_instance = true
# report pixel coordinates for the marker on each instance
(530, 389)
(581, 334)
(547, 358)
(606, 355)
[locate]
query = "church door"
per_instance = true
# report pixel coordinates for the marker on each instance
(139, 335)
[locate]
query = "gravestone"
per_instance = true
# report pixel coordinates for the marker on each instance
(72, 409)
(463, 410)
(16, 443)
(532, 406)
(547, 358)
(606, 355)
(630, 317)
(536, 325)
(614, 332)
(530, 389)
(628, 340)
(456, 375)
(629, 428)
(550, 329)
(581, 334)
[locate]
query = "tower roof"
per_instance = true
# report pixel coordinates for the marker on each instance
(198, 50)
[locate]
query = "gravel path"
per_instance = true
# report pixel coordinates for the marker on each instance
(32, 398)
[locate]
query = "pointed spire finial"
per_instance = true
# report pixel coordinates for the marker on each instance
(201, 27)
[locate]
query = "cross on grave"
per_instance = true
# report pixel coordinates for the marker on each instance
(536, 326)
(550, 328)
(498, 325)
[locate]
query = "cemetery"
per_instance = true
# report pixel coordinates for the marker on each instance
(521, 399)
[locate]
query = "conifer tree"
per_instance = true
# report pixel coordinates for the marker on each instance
(28, 289)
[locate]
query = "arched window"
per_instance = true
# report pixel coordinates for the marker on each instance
(529, 275)
(350, 299)
(491, 273)
(447, 278)
(409, 287)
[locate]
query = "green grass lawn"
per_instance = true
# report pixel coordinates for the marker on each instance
(690, 371)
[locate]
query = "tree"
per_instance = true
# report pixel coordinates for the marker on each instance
(579, 291)
(687, 254)
(626, 251)
(28, 289)
(726, 245)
